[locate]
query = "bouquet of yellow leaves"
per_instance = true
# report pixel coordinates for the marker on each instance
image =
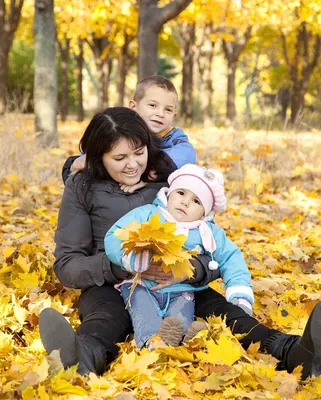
(161, 240)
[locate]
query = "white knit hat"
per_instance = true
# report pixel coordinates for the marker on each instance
(206, 184)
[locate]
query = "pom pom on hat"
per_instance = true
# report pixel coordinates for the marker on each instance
(206, 184)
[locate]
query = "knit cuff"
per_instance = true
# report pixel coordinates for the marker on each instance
(239, 292)
(140, 262)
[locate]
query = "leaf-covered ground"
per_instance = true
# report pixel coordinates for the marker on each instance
(273, 183)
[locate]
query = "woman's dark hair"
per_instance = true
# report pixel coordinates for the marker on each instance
(105, 131)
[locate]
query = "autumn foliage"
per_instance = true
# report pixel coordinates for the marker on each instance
(161, 240)
(273, 185)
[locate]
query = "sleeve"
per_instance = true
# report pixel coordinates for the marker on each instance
(66, 167)
(203, 275)
(181, 150)
(113, 245)
(232, 268)
(76, 266)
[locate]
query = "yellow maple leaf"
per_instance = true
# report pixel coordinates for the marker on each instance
(26, 281)
(60, 385)
(28, 393)
(8, 251)
(19, 312)
(139, 364)
(42, 393)
(22, 263)
(160, 238)
(225, 351)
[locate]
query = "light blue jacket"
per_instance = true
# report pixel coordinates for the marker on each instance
(176, 145)
(231, 264)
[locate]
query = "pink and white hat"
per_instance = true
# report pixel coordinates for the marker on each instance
(206, 184)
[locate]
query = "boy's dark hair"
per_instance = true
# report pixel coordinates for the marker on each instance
(154, 80)
(106, 129)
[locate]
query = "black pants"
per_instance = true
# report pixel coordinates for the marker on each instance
(103, 317)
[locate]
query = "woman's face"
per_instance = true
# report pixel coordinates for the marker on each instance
(124, 163)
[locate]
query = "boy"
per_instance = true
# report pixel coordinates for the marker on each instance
(155, 100)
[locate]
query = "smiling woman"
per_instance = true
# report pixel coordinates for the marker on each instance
(126, 163)
(119, 145)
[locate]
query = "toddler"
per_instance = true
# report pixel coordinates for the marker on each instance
(193, 195)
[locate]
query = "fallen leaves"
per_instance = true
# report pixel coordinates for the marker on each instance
(160, 238)
(276, 224)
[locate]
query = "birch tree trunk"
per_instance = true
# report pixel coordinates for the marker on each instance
(45, 83)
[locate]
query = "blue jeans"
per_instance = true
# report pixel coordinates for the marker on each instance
(143, 312)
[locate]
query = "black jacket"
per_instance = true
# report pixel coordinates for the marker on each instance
(84, 218)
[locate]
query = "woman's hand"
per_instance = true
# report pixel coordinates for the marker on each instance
(169, 282)
(155, 273)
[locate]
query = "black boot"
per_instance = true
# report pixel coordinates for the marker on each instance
(293, 350)
(92, 355)
(56, 333)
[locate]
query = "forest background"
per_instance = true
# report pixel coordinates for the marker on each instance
(248, 76)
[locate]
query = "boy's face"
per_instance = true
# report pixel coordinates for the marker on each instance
(185, 206)
(157, 108)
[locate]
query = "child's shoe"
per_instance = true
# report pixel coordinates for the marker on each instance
(171, 331)
(193, 329)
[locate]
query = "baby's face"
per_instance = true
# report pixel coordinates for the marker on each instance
(157, 108)
(184, 206)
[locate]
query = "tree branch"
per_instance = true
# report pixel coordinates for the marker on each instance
(172, 9)
(317, 51)
(2, 14)
(14, 15)
(285, 50)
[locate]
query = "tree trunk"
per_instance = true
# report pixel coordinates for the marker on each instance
(147, 45)
(205, 68)
(230, 99)
(297, 100)
(284, 98)
(106, 73)
(301, 66)
(9, 20)
(45, 83)
(4, 53)
(64, 47)
(122, 71)
(187, 35)
(232, 51)
(151, 18)
(80, 61)
(103, 66)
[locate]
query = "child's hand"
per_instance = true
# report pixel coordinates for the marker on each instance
(79, 163)
(131, 189)
(152, 175)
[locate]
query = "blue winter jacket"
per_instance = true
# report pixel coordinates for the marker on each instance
(231, 264)
(176, 145)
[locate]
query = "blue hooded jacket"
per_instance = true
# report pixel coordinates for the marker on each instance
(231, 264)
(176, 145)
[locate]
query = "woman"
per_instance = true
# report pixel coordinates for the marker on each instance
(121, 151)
